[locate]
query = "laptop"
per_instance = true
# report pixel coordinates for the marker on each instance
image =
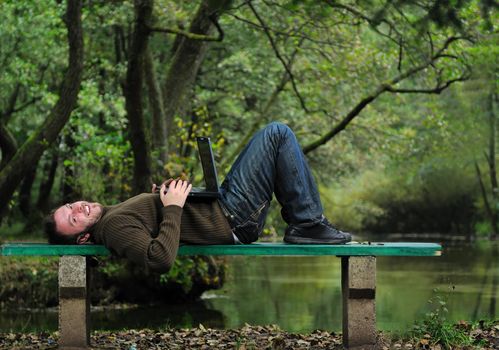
(211, 189)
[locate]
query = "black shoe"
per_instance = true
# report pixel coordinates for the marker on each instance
(322, 232)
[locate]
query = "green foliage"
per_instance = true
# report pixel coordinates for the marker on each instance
(186, 270)
(31, 282)
(483, 228)
(28, 282)
(431, 198)
(29, 55)
(185, 162)
(118, 280)
(434, 328)
(336, 59)
(12, 232)
(102, 166)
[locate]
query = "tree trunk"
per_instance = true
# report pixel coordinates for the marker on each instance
(159, 131)
(491, 160)
(8, 145)
(69, 193)
(31, 151)
(137, 129)
(495, 281)
(187, 59)
(47, 183)
(119, 43)
(488, 209)
(25, 192)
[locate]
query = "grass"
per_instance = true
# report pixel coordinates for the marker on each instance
(434, 329)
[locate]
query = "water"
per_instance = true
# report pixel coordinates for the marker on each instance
(301, 294)
(304, 293)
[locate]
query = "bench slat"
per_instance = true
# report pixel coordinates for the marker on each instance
(356, 249)
(275, 249)
(36, 249)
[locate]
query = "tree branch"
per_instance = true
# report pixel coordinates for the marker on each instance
(9, 54)
(214, 19)
(8, 145)
(436, 90)
(11, 105)
(194, 36)
(26, 104)
(288, 34)
(279, 56)
(264, 112)
(389, 86)
(371, 21)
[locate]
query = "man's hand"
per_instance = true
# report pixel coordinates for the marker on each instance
(155, 188)
(176, 194)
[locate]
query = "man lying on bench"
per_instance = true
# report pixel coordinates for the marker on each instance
(147, 229)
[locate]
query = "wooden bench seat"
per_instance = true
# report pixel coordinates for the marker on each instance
(358, 278)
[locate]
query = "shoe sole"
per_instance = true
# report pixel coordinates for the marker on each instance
(303, 240)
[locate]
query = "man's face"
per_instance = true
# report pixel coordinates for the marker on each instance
(76, 217)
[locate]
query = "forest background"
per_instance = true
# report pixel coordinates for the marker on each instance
(395, 104)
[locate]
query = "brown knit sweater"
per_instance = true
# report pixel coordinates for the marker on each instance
(148, 234)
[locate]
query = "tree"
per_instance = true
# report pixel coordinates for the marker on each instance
(139, 135)
(228, 69)
(485, 106)
(27, 156)
(189, 54)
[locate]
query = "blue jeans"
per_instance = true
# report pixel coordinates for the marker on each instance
(272, 162)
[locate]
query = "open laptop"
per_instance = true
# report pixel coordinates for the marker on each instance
(209, 171)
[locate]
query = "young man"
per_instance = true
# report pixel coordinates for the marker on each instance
(148, 229)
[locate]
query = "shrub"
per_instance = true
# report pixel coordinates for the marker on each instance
(435, 329)
(31, 282)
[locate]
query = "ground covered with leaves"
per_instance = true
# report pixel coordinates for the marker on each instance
(245, 338)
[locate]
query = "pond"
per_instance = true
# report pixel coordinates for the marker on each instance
(301, 294)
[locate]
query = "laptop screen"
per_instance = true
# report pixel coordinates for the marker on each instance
(208, 163)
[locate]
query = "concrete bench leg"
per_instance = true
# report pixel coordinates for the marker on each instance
(358, 283)
(74, 306)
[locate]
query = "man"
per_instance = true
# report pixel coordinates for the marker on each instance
(148, 229)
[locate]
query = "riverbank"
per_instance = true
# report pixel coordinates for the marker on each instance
(300, 294)
(480, 336)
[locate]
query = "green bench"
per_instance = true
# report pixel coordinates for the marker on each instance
(358, 280)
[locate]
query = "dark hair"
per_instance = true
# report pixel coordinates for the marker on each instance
(54, 236)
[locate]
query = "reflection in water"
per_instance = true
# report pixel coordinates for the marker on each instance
(155, 317)
(303, 293)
